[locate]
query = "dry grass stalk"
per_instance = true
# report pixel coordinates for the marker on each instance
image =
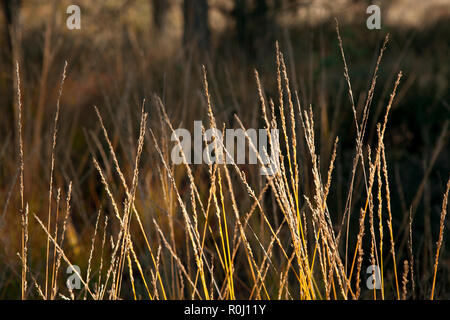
(405, 279)
(52, 166)
(61, 241)
(23, 211)
(441, 236)
(388, 204)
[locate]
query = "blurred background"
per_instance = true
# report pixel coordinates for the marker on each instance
(130, 49)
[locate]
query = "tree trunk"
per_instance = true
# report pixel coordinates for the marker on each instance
(11, 54)
(196, 28)
(11, 11)
(254, 25)
(160, 8)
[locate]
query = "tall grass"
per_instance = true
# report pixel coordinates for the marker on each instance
(222, 231)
